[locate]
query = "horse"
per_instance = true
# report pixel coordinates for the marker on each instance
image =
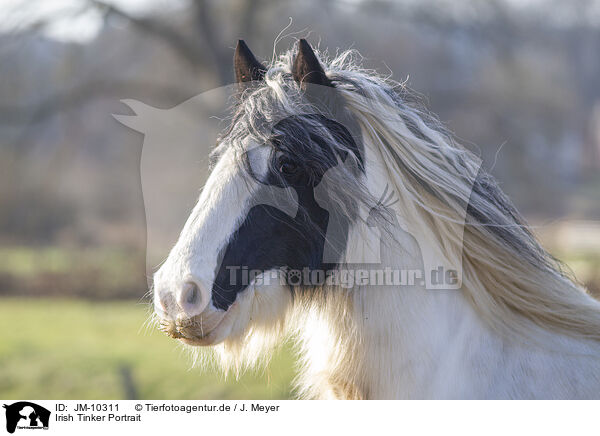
(328, 167)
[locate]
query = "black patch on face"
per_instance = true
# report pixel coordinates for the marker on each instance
(268, 238)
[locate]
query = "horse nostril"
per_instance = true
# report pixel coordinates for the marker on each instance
(192, 293)
(192, 299)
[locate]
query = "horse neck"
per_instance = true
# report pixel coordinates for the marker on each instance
(411, 328)
(411, 342)
(412, 332)
(405, 341)
(398, 334)
(382, 341)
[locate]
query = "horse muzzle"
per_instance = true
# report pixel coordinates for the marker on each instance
(186, 313)
(202, 329)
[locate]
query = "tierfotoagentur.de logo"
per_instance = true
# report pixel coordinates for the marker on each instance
(24, 415)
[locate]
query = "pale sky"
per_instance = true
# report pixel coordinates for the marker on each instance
(76, 22)
(73, 20)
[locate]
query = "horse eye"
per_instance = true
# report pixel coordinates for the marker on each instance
(287, 167)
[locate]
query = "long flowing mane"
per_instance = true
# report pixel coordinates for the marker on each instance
(507, 275)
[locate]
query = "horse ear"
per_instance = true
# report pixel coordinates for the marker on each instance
(245, 65)
(307, 69)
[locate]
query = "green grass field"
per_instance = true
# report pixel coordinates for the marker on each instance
(70, 349)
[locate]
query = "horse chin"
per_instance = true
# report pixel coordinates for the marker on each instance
(214, 326)
(219, 331)
(208, 328)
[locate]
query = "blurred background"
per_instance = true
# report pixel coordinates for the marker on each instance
(517, 81)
